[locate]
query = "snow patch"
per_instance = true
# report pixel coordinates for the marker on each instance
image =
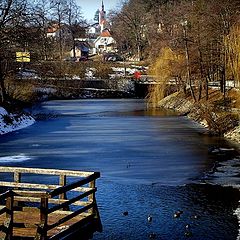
(3, 111)
(12, 122)
(17, 158)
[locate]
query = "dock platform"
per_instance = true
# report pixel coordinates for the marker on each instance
(43, 211)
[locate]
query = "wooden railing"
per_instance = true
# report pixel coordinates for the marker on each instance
(57, 204)
(7, 226)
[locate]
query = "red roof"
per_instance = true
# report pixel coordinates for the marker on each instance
(53, 28)
(105, 33)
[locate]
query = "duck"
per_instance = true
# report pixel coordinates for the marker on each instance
(125, 213)
(188, 234)
(187, 226)
(152, 235)
(149, 218)
(177, 214)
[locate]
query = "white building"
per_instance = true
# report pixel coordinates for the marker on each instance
(105, 42)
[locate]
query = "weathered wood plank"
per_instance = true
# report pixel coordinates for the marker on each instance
(70, 216)
(45, 171)
(50, 200)
(32, 218)
(37, 194)
(38, 186)
(72, 228)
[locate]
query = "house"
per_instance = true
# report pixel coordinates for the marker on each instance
(105, 42)
(82, 49)
(93, 30)
(54, 31)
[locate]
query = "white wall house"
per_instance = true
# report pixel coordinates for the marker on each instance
(105, 42)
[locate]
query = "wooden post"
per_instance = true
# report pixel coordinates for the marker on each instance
(9, 217)
(91, 197)
(42, 228)
(94, 209)
(63, 182)
(17, 179)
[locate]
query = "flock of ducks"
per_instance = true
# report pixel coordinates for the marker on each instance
(177, 214)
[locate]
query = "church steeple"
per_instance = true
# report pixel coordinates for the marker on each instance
(102, 6)
(102, 17)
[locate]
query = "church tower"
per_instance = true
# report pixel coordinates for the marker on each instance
(102, 17)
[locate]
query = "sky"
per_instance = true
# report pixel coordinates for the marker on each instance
(89, 7)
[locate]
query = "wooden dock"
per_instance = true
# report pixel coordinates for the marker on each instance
(42, 211)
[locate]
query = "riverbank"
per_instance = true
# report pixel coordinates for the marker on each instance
(220, 120)
(10, 122)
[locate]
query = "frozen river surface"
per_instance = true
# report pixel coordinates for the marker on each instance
(150, 162)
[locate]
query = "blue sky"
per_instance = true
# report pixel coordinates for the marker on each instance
(89, 7)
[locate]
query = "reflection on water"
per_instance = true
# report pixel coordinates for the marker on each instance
(151, 162)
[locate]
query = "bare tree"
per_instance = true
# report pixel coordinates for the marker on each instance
(129, 27)
(12, 15)
(75, 22)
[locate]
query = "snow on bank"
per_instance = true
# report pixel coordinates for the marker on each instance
(233, 134)
(10, 122)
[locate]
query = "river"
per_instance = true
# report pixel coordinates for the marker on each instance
(151, 162)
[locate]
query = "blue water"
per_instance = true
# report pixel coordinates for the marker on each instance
(151, 162)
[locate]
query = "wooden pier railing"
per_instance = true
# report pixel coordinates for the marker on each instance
(47, 211)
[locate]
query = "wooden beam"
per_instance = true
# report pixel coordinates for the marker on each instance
(6, 194)
(42, 228)
(50, 200)
(37, 194)
(69, 202)
(46, 171)
(39, 186)
(74, 185)
(9, 217)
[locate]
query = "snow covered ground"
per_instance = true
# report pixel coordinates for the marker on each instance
(10, 122)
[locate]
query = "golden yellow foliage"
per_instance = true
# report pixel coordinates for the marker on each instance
(232, 46)
(166, 67)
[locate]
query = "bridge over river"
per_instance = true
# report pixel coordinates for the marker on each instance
(90, 88)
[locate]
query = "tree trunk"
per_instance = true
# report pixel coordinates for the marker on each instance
(2, 85)
(189, 78)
